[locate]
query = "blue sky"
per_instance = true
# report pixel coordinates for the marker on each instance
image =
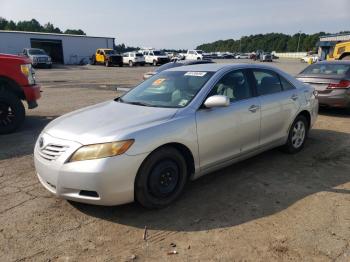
(180, 23)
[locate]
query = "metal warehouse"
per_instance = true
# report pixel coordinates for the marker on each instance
(63, 48)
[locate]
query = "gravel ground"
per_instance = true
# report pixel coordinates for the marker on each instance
(273, 207)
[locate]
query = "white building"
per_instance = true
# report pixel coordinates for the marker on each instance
(63, 48)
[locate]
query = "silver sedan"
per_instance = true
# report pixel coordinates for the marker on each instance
(178, 125)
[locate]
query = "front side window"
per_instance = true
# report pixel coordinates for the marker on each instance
(168, 89)
(234, 85)
(267, 82)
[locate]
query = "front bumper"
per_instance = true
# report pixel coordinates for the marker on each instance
(112, 179)
(335, 98)
(32, 93)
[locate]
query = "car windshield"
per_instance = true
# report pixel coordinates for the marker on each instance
(36, 52)
(167, 89)
(139, 55)
(158, 53)
(109, 52)
(326, 69)
(199, 51)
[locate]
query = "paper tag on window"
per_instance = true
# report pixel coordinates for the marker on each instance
(158, 82)
(200, 74)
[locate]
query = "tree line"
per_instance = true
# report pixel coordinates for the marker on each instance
(267, 42)
(34, 26)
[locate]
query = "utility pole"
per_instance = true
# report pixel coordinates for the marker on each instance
(299, 41)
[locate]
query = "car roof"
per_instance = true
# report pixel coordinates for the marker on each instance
(217, 67)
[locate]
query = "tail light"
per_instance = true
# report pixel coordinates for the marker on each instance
(343, 84)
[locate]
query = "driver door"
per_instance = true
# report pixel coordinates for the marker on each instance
(227, 132)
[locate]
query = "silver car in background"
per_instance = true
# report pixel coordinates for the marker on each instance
(38, 57)
(178, 125)
(331, 79)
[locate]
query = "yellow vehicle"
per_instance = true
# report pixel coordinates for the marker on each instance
(107, 57)
(341, 51)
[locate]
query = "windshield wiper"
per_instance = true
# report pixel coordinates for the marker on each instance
(138, 103)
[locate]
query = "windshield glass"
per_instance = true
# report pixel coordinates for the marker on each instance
(36, 52)
(158, 53)
(199, 52)
(327, 69)
(109, 52)
(139, 55)
(168, 89)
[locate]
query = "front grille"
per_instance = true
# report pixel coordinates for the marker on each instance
(42, 59)
(52, 151)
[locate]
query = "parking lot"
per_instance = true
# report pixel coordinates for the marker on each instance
(272, 207)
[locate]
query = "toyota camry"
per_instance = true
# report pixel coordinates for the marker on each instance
(174, 127)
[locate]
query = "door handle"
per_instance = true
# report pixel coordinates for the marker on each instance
(253, 108)
(294, 97)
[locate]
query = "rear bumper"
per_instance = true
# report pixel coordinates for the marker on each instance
(32, 93)
(337, 98)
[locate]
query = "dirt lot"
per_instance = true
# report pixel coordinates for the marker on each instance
(274, 207)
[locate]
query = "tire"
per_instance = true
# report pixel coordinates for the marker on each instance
(142, 64)
(107, 64)
(154, 63)
(121, 65)
(131, 64)
(297, 135)
(198, 58)
(12, 112)
(161, 178)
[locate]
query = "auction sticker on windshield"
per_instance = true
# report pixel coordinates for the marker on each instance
(158, 82)
(200, 74)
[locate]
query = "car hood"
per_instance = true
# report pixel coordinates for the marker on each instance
(106, 122)
(37, 56)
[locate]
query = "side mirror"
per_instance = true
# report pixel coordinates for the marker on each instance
(217, 101)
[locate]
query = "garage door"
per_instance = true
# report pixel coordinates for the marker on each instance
(51, 46)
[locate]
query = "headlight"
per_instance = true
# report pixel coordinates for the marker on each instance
(28, 71)
(96, 151)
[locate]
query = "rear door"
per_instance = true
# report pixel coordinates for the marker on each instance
(279, 101)
(226, 132)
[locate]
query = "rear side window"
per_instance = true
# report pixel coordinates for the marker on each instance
(327, 69)
(267, 82)
(286, 85)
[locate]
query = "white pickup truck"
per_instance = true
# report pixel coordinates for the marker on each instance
(155, 57)
(194, 55)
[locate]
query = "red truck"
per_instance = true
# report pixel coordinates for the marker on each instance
(17, 83)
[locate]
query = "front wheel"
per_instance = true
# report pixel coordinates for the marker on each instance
(154, 62)
(107, 64)
(131, 64)
(297, 135)
(12, 112)
(161, 178)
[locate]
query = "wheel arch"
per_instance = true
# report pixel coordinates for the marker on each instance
(344, 55)
(307, 115)
(12, 86)
(184, 150)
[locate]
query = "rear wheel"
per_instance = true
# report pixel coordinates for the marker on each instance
(161, 178)
(107, 64)
(131, 64)
(12, 112)
(297, 135)
(154, 62)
